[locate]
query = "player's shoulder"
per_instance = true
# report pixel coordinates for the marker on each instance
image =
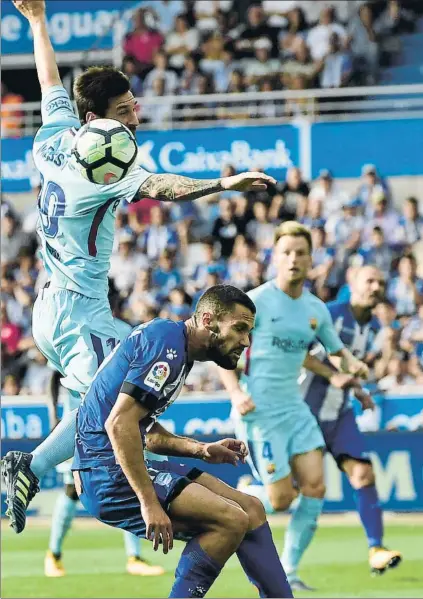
(162, 334)
(262, 291)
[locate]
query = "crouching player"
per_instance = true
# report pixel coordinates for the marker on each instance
(167, 500)
(357, 328)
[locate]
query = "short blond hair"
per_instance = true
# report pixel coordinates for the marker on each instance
(291, 228)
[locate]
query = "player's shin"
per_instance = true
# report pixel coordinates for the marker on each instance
(57, 448)
(64, 512)
(300, 532)
(370, 512)
(259, 559)
(195, 573)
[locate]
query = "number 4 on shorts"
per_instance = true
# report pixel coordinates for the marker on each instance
(267, 451)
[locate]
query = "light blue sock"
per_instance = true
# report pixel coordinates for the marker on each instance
(132, 544)
(299, 533)
(57, 448)
(64, 513)
(259, 491)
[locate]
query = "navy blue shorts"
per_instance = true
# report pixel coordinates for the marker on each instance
(343, 439)
(107, 495)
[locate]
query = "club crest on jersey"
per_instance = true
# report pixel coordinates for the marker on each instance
(171, 354)
(313, 323)
(271, 468)
(157, 375)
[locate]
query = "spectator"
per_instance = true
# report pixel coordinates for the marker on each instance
(323, 273)
(164, 12)
(190, 78)
(387, 316)
(166, 276)
(329, 193)
(416, 363)
(290, 200)
(300, 63)
(11, 386)
(260, 65)
(256, 275)
(257, 28)
(294, 35)
(157, 114)
(222, 71)
(346, 235)
(130, 68)
(177, 307)
(12, 119)
(142, 42)
(394, 20)
(383, 217)
(240, 262)
(37, 375)
(242, 212)
(362, 41)
(125, 264)
(410, 228)
(226, 227)
(208, 265)
(158, 236)
(260, 229)
(406, 290)
(377, 252)
(139, 214)
(212, 279)
(12, 238)
(161, 71)
(143, 297)
(301, 105)
(314, 216)
(335, 67)
(318, 39)
(412, 333)
(181, 42)
(397, 374)
(372, 184)
(10, 333)
(206, 12)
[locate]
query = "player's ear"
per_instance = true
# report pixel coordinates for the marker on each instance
(90, 116)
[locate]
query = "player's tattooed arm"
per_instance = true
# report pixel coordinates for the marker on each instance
(178, 188)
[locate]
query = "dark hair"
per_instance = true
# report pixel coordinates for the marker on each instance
(221, 299)
(378, 229)
(94, 89)
(413, 200)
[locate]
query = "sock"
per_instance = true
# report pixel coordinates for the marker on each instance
(370, 513)
(196, 572)
(260, 492)
(57, 448)
(300, 531)
(132, 544)
(258, 556)
(64, 513)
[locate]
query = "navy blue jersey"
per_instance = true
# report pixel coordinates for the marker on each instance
(151, 365)
(325, 401)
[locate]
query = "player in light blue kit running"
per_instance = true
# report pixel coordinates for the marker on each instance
(357, 328)
(271, 417)
(72, 322)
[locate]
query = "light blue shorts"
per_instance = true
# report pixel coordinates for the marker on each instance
(75, 333)
(272, 443)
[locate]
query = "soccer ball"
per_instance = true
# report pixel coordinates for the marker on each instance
(103, 151)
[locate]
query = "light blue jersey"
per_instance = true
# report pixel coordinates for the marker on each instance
(77, 217)
(284, 330)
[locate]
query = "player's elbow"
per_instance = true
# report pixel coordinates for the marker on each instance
(115, 424)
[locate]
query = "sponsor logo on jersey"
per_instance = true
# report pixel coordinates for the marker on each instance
(313, 323)
(157, 375)
(290, 345)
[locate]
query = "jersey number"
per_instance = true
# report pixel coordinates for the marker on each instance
(52, 203)
(267, 451)
(98, 347)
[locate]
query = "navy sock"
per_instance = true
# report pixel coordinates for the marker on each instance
(370, 513)
(196, 572)
(259, 558)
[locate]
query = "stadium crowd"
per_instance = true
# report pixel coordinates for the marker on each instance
(167, 254)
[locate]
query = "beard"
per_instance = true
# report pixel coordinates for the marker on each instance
(215, 353)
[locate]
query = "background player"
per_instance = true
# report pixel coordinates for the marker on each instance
(270, 415)
(67, 502)
(357, 328)
(72, 322)
(136, 384)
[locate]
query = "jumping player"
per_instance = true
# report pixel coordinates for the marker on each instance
(163, 500)
(283, 437)
(357, 328)
(72, 321)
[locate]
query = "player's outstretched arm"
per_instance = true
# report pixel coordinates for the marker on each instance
(240, 400)
(45, 59)
(178, 188)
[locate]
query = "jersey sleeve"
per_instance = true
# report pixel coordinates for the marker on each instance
(327, 334)
(154, 363)
(127, 188)
(57, 114)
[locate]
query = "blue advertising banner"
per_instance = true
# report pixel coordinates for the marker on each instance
(73, 25)
(394, 146)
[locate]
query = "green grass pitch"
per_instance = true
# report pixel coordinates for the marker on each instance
(336, 563)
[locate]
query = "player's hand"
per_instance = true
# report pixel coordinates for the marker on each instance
(31, 9)
(227, 451)
(356, 367)
(341, 380)
(364, 398)
(242, 402)
(254, 181)
(158, 526)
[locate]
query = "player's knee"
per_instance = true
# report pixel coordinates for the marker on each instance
(255, 511)
(70, 491)
(233, 521)
(315, 488)
(362, 475)
(281, 501)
